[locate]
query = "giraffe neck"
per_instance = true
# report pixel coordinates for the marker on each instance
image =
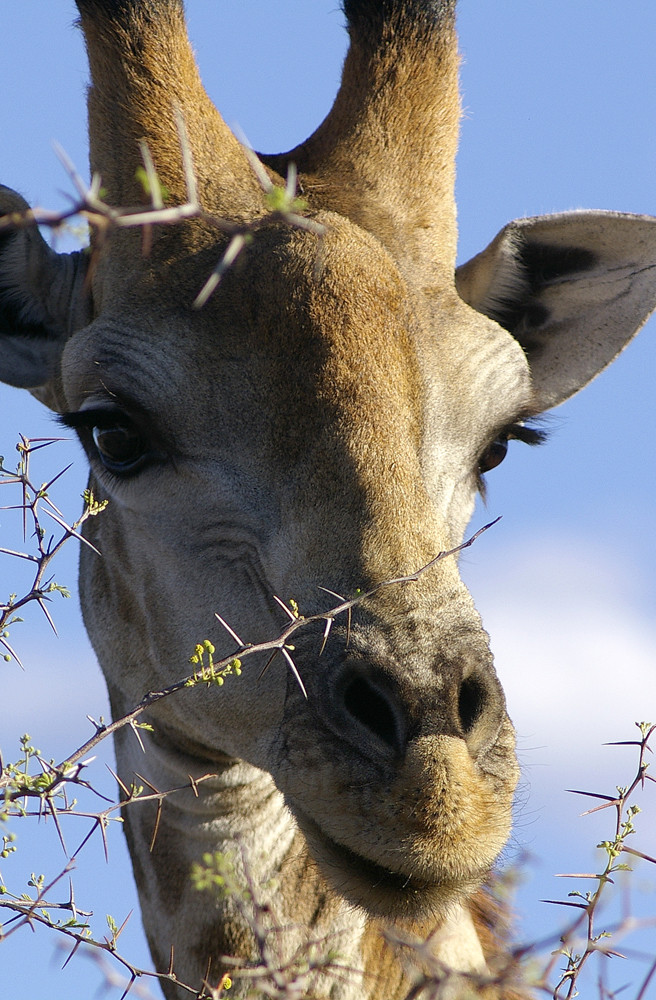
(238, 813)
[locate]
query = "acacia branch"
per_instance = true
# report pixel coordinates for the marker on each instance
(277, 644)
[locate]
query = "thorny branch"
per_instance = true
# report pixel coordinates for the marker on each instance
(34, 501)
(212, 673)
(269, 975)
(216, 671)
(576, 954)
(51, 786)
(282, 204)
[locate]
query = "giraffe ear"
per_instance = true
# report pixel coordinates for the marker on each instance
(573, 289)
(42, 300)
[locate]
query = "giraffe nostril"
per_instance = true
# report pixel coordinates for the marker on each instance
(472, 701)
(372, 708)
(481, 710)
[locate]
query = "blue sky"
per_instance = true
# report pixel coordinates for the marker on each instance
(560, 112)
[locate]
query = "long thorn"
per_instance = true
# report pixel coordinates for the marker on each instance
(267, 664)
(187, 159)
(326, 633)
(290, 614)
(294, 670)
(230, 631)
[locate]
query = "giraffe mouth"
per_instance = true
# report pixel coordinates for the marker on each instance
(381, 891)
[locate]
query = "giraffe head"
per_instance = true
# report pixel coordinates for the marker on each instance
(319, 426)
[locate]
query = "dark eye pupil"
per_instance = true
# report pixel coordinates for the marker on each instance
(119, 447)
(494, 455)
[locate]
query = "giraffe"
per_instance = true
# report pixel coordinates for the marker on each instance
(323, 421)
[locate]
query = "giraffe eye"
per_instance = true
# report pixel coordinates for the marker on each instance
(494, 454)
(117, 439)
(120, 447)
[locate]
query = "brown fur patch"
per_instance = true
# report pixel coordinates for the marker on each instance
(223, 939)
(391, 969)
(492, 922)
